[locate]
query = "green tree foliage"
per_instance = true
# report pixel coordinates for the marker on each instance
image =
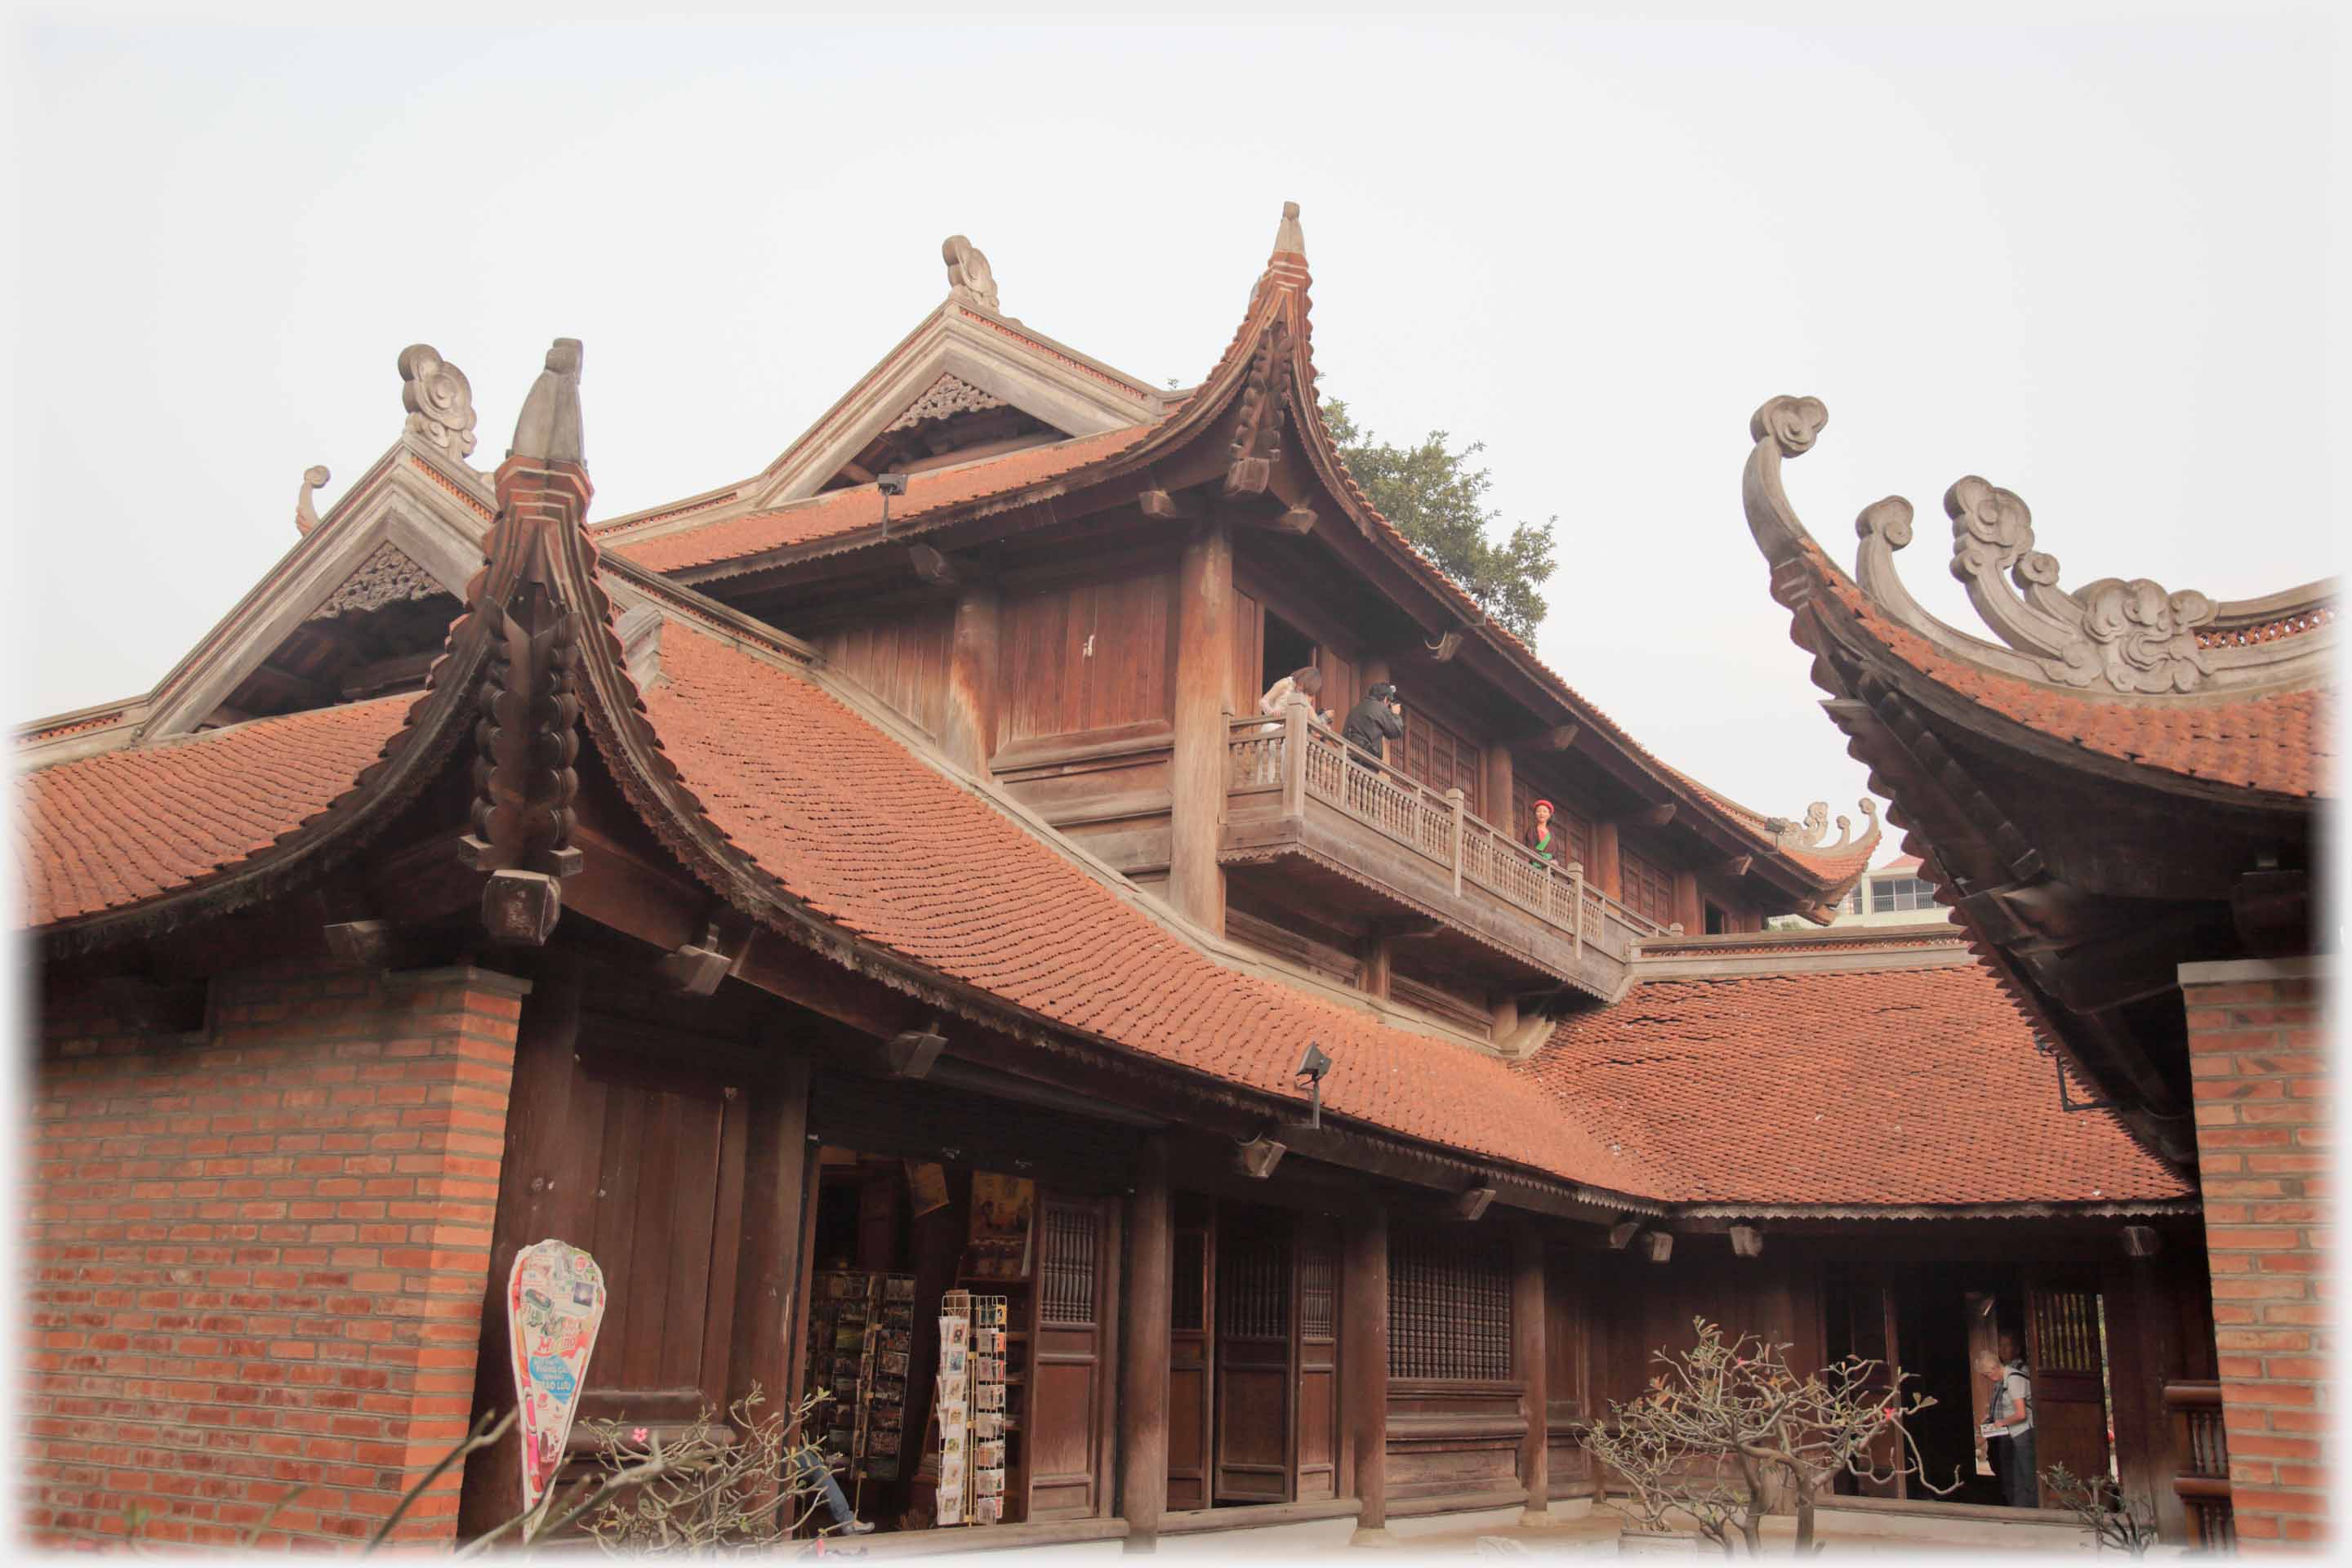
(1437, 500)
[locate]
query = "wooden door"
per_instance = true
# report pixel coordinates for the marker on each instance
(1318, 1359)
(2069, 1370)
(1066, 1369)
(661, 1162)
(1871, 1325)
(1254, 1373)
(1190, 1359)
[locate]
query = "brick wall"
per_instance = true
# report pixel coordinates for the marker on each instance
(258, 1254)
(2258, 1049)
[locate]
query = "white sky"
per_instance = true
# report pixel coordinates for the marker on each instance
(2089, 259)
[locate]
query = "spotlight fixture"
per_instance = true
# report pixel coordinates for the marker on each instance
(1310, 1071)
(889, 485)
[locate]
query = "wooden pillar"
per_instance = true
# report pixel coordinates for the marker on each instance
(1497, 796)
(1143, 1372)
(1375, 950)
(1686, 904)
(1528, 1324)
(1204, 639)
(968, 729)
(1605, 871)
(1364, 1368)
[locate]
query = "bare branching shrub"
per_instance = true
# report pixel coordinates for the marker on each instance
(1725, 1432)
(2098, 1505)
(740, 1486)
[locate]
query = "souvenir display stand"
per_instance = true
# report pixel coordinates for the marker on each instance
(971, 1421)
(861, 1333)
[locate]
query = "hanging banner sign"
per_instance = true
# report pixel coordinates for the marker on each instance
(555, 1299)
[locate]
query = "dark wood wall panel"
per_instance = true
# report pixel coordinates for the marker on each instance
(1067, 1367)
(1085, 658)
(902, 659)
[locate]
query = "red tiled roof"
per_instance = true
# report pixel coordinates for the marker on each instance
(839, 512)
(104, 832)
(1888, 1087)
(855, 826)
(2283, 742)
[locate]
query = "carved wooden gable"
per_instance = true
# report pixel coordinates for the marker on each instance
(388, 576)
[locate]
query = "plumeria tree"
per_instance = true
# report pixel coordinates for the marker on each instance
(1727, 1432)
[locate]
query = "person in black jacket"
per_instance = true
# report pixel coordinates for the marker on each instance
(1375, 722)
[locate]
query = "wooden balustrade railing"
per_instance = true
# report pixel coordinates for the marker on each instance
(2202, 1481)
(1306, 760)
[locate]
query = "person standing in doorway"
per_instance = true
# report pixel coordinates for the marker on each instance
(2009, 1428)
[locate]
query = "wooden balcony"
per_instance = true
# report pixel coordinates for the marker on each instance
(1297, 792)
(2202, 1483)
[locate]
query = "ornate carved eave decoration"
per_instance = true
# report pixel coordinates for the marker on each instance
(387, 576)
(2129, 638)
(306, 506)
(528, 599)
(1806, 835)
(439, 400)
(971, 280)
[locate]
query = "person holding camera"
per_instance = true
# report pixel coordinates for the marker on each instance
(1375, 722)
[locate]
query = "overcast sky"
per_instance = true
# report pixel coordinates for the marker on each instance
(2088, 258)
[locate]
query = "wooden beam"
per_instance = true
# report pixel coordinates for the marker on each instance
(383, 674)
(1471, 1204)
(363, 944)
(857, 474)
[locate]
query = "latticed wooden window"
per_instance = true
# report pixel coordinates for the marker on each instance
(1449, 1307)
(1440, 758)
(1318, 1291)
(1065, 1264)
(1253, 1287)
(1571, 834)
(1649, 887)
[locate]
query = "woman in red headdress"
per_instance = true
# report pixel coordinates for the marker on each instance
(1540, 838)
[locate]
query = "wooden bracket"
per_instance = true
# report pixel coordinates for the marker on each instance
(1165, 507)
(1297, 519)
(1746, 1241)
(1658, 1245)
(1448, 643)
(941, 570)
(1260, 1155)
(695, 968)
(1559, 738)
(363, 944)
(911, 1052)
(1622, 1234)
(1469, 1206)
(521, 906)
(1737, 865)
(2141, 1241)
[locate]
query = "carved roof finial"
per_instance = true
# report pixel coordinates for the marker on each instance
(439, 399)
(970, 278)
(306, 513)
(549, 429)
(1290, 240)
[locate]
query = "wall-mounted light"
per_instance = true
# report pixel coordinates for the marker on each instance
(1310, 1071)
(889, 485)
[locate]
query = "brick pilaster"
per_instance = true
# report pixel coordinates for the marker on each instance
(2258, 1051)
(257, 1256)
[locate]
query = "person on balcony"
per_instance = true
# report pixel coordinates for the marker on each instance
(1375, 722)
(1540, 838)
(1307, 680)
(2009, 1428)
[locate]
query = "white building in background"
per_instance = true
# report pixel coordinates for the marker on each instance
(1891, 895)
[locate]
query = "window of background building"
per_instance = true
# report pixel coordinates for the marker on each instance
(1901, 893)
